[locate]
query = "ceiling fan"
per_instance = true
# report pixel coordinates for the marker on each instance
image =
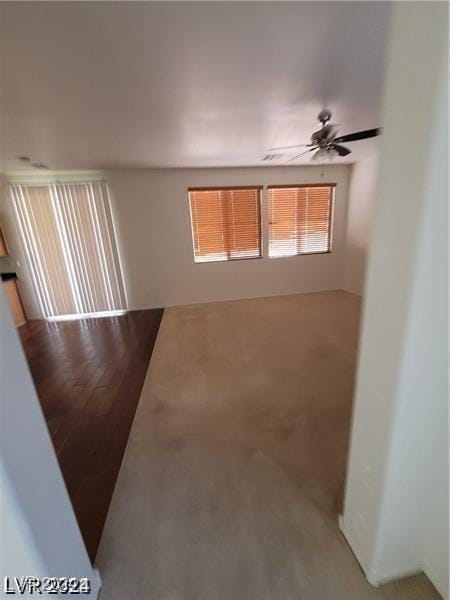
(325, 142)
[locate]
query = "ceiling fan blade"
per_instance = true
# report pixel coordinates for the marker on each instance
(287, 147)
(341, 150)
(359, 135)
(302, 153)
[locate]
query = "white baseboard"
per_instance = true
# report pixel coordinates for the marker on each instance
(375, 578)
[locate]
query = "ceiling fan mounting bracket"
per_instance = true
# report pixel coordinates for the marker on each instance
(324, 116)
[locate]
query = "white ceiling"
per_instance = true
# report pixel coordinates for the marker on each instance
(90, 85)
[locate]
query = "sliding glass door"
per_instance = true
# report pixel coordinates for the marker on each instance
(68, 237)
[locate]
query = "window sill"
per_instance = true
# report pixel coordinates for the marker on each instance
(301, 254)
(225, 260)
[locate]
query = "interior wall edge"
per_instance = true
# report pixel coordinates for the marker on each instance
(45, 533)
(376, 577)
(360, 207)
(396, 498)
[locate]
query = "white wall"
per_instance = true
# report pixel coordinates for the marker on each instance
(396, 506)
(361, 199)
(151, 216)
(40, 535)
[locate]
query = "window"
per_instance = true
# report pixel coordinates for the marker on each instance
(226, 223)
(300, 219)
(68, 238)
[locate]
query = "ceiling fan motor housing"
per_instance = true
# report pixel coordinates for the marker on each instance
(324, 136)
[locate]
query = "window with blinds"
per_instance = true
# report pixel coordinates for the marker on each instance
(300, 219)
(226, 223)
(68, 238)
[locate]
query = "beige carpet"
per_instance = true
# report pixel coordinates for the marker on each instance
(233, 475)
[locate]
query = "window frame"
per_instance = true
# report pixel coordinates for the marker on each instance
(259, 189)
(330, 217)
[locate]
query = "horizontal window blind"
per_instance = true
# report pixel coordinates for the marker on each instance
(300, 219)
(226, 223)
(68, 238)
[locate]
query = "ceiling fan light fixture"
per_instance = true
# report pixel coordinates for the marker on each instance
(322, 154)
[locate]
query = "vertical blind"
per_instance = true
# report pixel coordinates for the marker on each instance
(226, 223)
(300, 219)
(68, 238)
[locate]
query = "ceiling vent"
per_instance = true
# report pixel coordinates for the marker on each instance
(272, 156)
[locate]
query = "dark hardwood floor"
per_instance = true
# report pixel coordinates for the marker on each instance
(89, 375)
